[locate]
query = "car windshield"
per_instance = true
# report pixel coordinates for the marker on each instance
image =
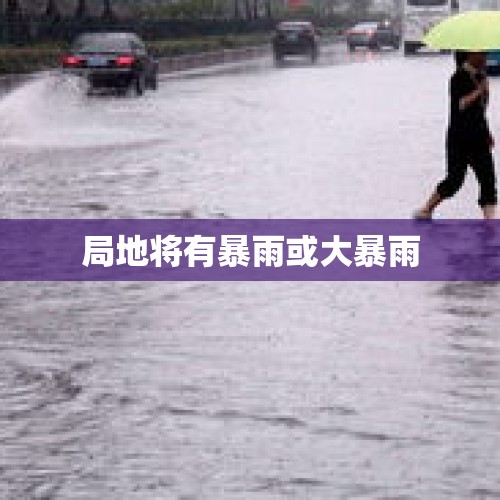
(102, 43)
(427, 3)
(294, 26)
(365, 26)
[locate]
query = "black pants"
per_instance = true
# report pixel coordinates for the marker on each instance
(459, 156)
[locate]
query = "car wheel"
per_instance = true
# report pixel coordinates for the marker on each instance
(278, 57)
(139, 85)
(352, 48)
(409, 49)
(122, 91)
(153, 82)
(314, 55)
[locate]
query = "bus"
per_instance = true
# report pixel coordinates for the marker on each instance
(419, 16)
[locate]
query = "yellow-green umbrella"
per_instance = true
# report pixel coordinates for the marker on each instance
(477, 30)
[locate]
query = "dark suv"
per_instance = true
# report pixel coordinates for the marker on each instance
(295, 38)
(112, 60)
(373, 36)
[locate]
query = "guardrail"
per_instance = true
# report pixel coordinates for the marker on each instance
(203, 59)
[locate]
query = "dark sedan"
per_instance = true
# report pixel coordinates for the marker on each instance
(295, 38)
(113, 61)
(373, 36)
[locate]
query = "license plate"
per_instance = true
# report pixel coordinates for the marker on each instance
(97, 61)
(292, 37)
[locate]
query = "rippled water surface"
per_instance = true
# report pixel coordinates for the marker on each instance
(234, 391)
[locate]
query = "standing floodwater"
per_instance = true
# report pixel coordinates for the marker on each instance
(233, 391)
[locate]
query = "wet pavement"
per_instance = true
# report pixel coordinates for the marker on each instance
(234, 391)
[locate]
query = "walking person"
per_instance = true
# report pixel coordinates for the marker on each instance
(469, 141)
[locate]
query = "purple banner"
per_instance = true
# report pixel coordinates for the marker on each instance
(249, 250)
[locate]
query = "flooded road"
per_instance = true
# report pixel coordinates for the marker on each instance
(233, 391)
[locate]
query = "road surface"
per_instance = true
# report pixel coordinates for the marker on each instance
(246, 391)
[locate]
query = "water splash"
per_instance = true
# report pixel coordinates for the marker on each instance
(54, 111)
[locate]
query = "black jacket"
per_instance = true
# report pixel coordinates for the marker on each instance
(467, 126)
